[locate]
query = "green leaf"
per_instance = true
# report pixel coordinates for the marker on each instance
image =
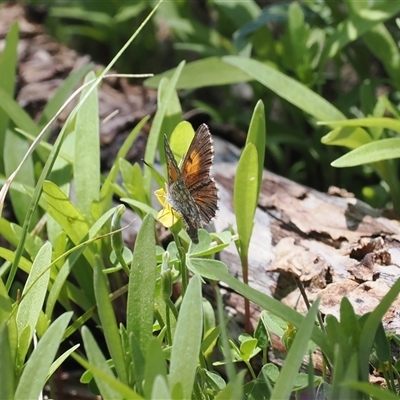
(7, 384)
(294, 358)
(106, 192)
(265, 302)
(371, 325)
(372, 391)
(382, 45)
(355, 26)
(155, 131)
(65, 212)
(239, 12)
(257, 136)
(347, 136)
(57, 145)
(36, 369)
(62, 275)
(79, 13)
(287, 88)
(195, 263)
(382, 345)
(18, 115)
(180, 139)
(187, 342)
(109, 322)
(34, 293)
(246, 196)
(384, 149)
(138, 362)
(15, 148)
(141, 288)
(210, 71)
(97, 359)
(160, 389)
(57, 363)
(388, 123)
(8, 66)
(155, 366)
(349, 321)
(87, 150)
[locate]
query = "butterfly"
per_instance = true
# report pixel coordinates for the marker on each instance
(191, 190)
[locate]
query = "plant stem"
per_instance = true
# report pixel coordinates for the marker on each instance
(245, 268)
(182, 257)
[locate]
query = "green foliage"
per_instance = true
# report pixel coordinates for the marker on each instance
(162, 348)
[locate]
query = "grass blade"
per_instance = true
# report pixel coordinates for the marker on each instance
(87, 151)
(142, 285)
(35, 372)
(187, 342)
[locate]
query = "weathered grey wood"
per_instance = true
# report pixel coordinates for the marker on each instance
(333, 244)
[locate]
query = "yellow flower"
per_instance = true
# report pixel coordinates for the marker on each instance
(167, 215)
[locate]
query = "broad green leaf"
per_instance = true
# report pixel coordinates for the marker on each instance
(133, 180)
(9, 255)
(34, 375)
(155, 131)
(384, 149)
(109, 322)
(347, 136)
(97, 359)
(194, 263)
(160, 389)
(257, 136)
(34, 292)
(294, 358)
(65, 212)
(388, 123)
(8, 66)
(349, 321)
(142, 282)
(187, 342)
(287, 88)
(138, 363)
(127, 12)
(245, 195)
(7, 384)
(382, 345)
(210, 71)
(87, 150)
(180, 139)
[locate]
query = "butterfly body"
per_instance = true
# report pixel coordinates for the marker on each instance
(191, 190)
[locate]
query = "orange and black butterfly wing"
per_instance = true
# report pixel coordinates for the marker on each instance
(179, 196)
(196, 170)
